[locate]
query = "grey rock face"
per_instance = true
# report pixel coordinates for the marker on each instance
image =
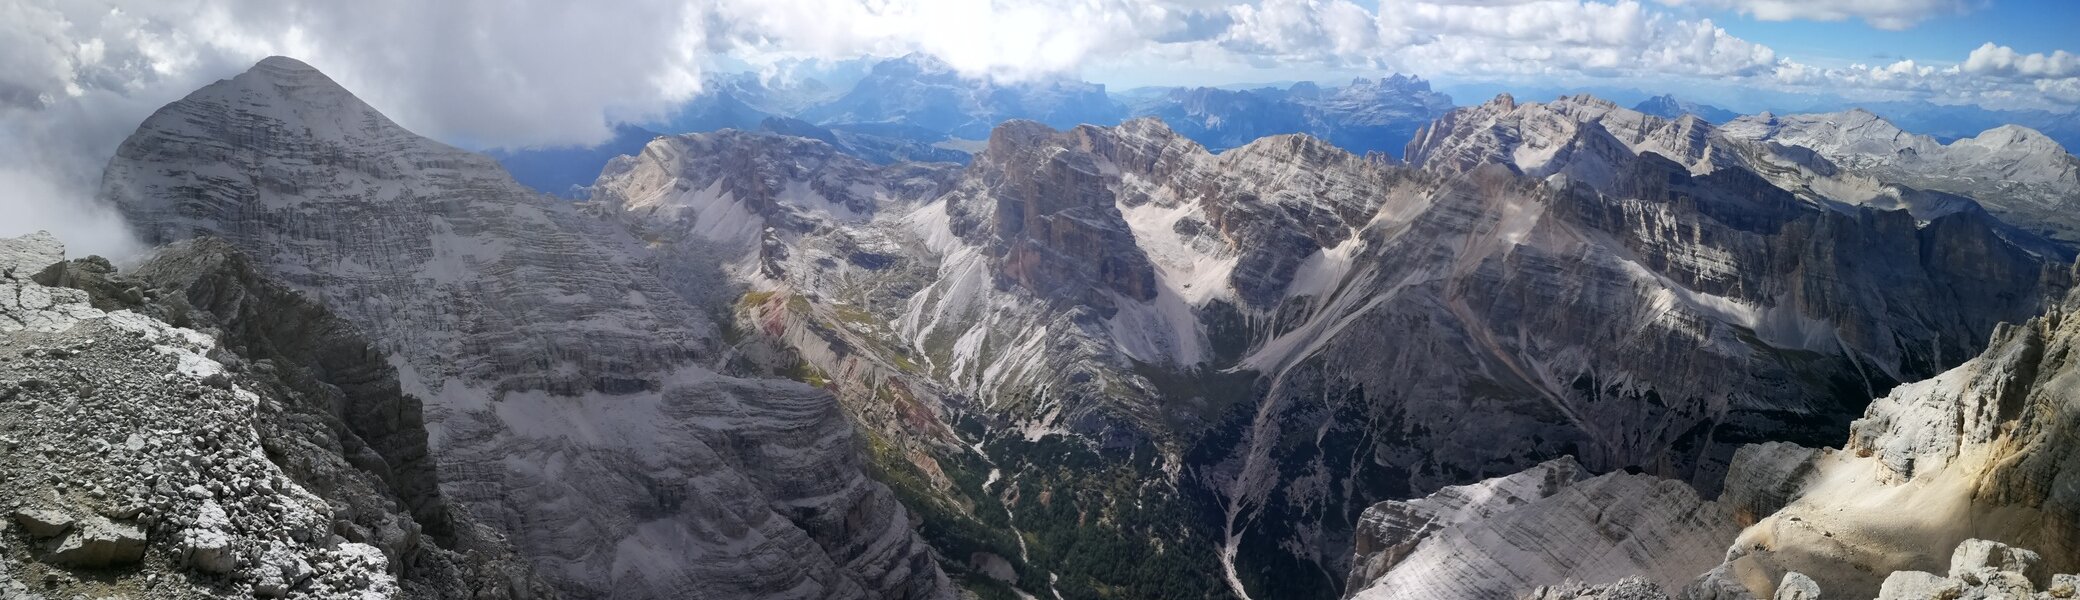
(1048, 219)
(1630, 588)
(405, 236)
(1765, 477)
(562, 377)
(1965, 460)
(1390, 531)
(1600, 529)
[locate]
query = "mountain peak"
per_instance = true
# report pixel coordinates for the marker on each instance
(285, 71)
(1010, 136)
(284, 63)
(290, 78)
(915, 63)
(1588, 100)
(1668, 106)
(2012, 134)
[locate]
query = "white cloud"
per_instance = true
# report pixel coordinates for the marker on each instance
(998, 38)
(1883, 14)
(1320, 31)
(524, 72)
(1566, 36)
(1991, 59)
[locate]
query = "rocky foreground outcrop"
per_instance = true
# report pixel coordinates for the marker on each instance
(1957, 486)
(578, 402)
(1979, 570)
(157, 446)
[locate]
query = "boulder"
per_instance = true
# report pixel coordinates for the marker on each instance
(42, 522)
(1977, 555)
(1797, 586)
(1915, 585)
(100, 543)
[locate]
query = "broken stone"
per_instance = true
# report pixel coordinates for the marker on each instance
(205, 546)
(124, 512)
(1974, 555)
(42, 522)
(208, 551)
(1918, 585)
(100, 543)
(2063, 586)
(279, 572)
(1797, 586)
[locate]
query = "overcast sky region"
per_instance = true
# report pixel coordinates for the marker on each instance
(77, 75)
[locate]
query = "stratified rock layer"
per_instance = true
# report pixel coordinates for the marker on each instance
(1509, 535)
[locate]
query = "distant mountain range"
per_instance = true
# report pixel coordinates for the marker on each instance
(918, 108)
(1366, 116)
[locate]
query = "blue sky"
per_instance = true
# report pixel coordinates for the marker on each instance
(2000, 54)
(2039, 26)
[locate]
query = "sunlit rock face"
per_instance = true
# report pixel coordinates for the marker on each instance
(1945, 488)
(1505, 536)
(576, 400)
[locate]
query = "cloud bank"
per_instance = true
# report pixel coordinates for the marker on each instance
(1882, 14)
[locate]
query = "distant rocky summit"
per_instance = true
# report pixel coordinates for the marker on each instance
(1669, 107)
(1364, 116)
